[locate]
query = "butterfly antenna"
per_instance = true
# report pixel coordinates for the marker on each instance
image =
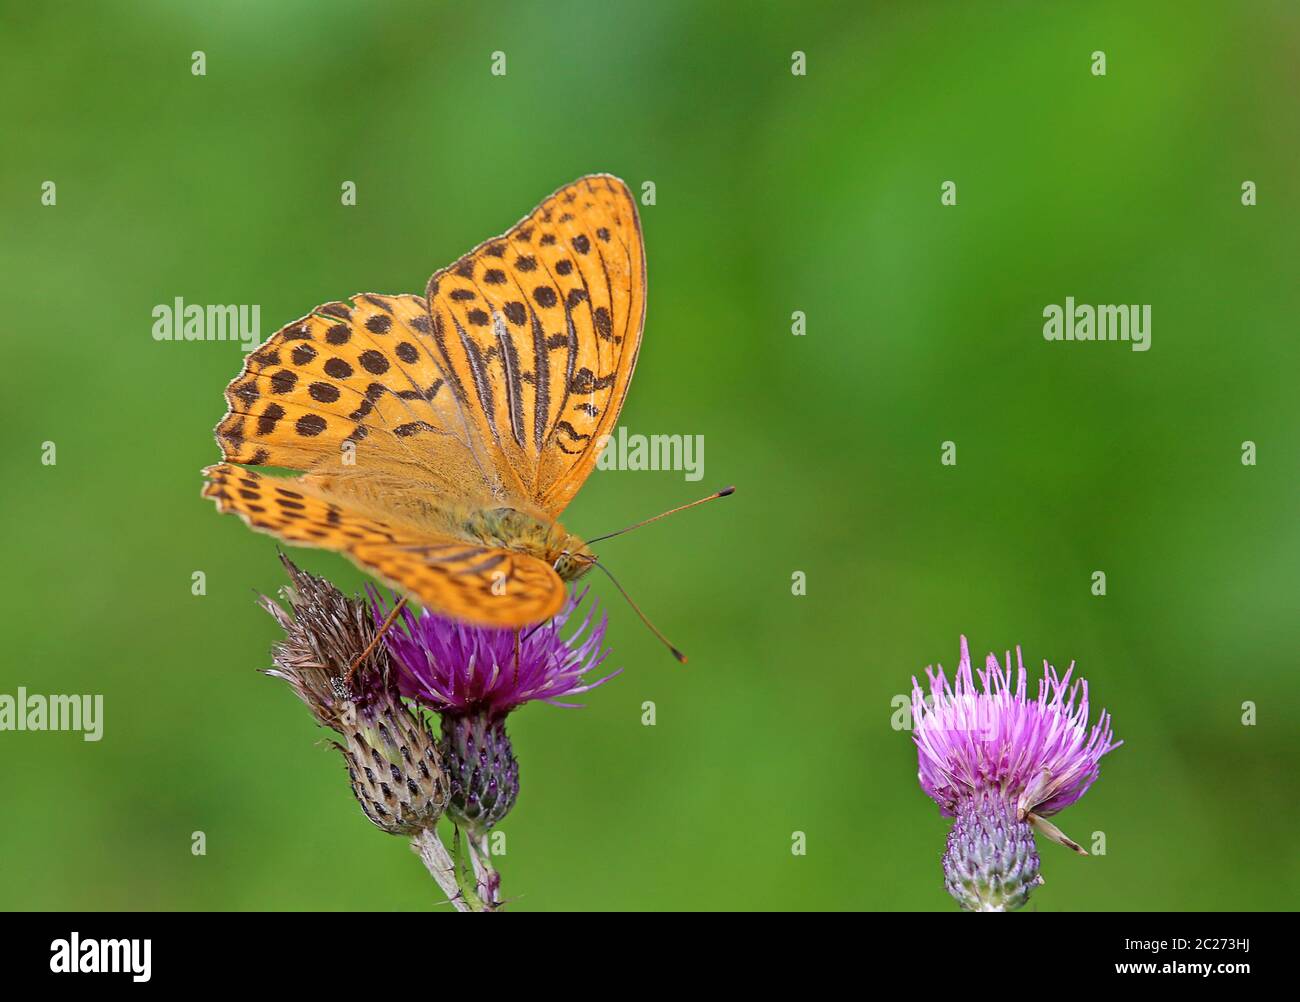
(635, 608)
(725, 492)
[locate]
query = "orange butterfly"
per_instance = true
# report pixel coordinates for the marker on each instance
(442, 435)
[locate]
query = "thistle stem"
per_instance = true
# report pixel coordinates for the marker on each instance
(489, 881)
(441, 867)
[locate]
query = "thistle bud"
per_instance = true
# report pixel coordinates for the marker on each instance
(396, 771)
(991, 863)
(481, 767)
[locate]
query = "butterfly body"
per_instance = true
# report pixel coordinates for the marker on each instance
(511, 529)
(440, 436)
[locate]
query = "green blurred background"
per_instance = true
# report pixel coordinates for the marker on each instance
(775, 193)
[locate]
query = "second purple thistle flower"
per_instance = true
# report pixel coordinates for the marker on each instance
(1000, 764)
(474, 676)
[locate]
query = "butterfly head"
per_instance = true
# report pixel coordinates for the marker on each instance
(574, 559)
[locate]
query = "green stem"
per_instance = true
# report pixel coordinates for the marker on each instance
(489, 881)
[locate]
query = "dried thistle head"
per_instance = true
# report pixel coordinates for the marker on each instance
(392, 757)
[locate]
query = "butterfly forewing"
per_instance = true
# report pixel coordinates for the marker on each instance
(353, 378)
(541, 328)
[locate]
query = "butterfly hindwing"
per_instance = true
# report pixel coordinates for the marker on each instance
(479, 584)
(455, 576)
(539, 330)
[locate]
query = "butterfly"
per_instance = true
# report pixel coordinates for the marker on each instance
(440, 436)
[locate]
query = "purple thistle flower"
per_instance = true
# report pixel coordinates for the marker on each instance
(458, 668)
(1001, 763)
(474, 676)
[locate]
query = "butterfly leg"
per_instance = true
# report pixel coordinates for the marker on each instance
(388, 621)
